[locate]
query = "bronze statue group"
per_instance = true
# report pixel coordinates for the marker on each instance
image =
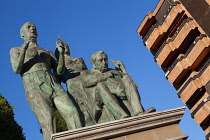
(93, 96)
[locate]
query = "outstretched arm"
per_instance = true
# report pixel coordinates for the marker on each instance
(17, 56)
(91, 78)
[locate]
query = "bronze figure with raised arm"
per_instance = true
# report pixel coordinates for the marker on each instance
(72, 78)
(42, 90)
(88, 100)
(103, 83)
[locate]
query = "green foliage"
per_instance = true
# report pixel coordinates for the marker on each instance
(9, 128)
(60, 122)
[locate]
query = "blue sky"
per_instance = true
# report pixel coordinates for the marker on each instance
(87, 26)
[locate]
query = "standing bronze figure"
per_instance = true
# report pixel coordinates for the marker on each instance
(42, 90)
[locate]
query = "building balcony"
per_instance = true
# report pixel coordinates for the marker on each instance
(193, 86)
(202, 116)
(159, 32)
(196, 102)
(149, 20)
(179, 42)
(189, 62)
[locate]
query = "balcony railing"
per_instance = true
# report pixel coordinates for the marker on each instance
(194, 77)
(174, 36)
(159, 22)
(187, 52)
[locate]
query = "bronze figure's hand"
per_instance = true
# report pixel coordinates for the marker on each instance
(25, 45)
(60, 47)
(119, 65)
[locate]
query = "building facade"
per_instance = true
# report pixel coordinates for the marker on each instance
(177, 34)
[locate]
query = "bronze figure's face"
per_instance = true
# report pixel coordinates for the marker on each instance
(101, 62)
(28, 31)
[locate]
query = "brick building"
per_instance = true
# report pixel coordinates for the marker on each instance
(177, 34)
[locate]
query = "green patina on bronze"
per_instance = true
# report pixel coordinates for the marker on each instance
(94, 96)
(100, 94)
(42, 90)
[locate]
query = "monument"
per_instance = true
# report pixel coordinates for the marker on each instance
(97, 99)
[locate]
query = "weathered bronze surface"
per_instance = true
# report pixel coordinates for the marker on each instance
(72, 78)
(113, 93)
(93, 96)
(101, 94)
(42, 91)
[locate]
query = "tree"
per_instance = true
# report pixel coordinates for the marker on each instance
(9, 128)
(60, 122)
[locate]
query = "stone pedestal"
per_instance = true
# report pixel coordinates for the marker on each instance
(162, 125)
